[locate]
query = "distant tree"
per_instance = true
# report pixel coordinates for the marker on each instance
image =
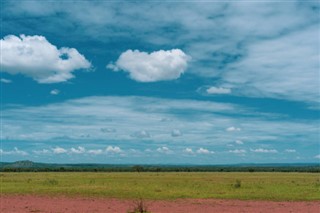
(137, 168)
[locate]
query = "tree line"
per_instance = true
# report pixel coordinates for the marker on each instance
(141, 168)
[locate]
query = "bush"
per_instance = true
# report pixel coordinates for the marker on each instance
(237, 184)
(139, 207)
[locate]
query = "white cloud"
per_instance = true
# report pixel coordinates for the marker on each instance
(267, 46)
(113, 149)
(108, 130)
(164, 149)
(260, 150)
(141, 134)
(79, 150)
(238, 151)
(273, 67)
(176, 133)
(6, 81)
(233, 129)
(188, 151)
(150, 67)
(203, 125)
(218, 90)
(239, 142)
(317, 156)
(204, 151)
(59, 150)
(95, 151)
(55, 92)
(43, 151)
(15, 151)
(290, 150)
(35, 57)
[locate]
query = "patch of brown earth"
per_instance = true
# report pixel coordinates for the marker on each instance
(29, 203)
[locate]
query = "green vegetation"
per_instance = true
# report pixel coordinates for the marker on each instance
(166, 185)
(29, 166)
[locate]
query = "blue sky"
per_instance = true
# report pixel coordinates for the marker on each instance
(170, 82)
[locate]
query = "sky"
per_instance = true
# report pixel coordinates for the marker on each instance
(160, 82)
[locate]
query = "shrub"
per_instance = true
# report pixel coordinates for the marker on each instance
(237, 184)
(139, 207)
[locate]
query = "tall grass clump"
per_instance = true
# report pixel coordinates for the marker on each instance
(237, 184)
(139, 207)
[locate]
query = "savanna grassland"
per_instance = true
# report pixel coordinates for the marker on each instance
(166, 185)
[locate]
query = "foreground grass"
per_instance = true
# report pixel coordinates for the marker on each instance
(230, 185)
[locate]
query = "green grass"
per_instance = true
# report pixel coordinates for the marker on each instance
(230, 185)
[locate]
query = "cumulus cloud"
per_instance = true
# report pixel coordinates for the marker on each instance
(6, 81)
(95, 151)
(164, 149)
(15, 151)
(79, 150)
(35, 57)
(218, 90)
(113, 149)
(238, 151)
(260, 150)
(55, 92)
(317, 156)
(188, 151)
(290, 150)
(176, 133)
(59, 150)
(238, 142)
(233, 129)
(204, 124)
(43, 151)
(204, 151)
(160, 65)
(141, 134)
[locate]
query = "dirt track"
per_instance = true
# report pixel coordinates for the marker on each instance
(14, 204)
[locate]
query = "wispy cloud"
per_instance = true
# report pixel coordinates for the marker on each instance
(260, 150)
(176, 133)
(6, 81)
(137, 118)
(15, 151)
(233, 129)
(239, 142)
(218, 90)
(257, 49)
(290, 150)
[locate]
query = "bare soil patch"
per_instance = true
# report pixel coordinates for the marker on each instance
(60, 204)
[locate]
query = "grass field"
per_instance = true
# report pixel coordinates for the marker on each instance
(230, 185)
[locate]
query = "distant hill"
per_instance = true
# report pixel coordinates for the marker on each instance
(29, 166)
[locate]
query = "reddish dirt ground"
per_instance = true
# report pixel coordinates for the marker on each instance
(29, 203)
